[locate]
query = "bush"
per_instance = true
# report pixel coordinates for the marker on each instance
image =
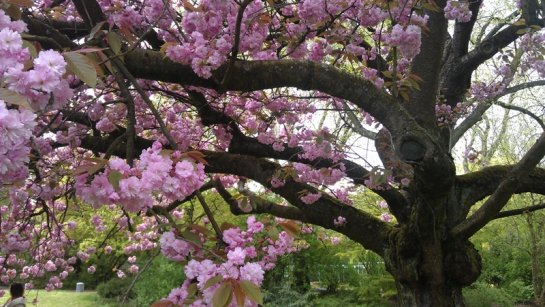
(345, 298)
(282, 297)
(481, 295)
(157, 281)
(115, 288)
(377, 290)
(519, 291)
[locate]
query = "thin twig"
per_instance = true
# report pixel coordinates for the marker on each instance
(146, 99)
(138, 275)
(210, 216)
(234, 51)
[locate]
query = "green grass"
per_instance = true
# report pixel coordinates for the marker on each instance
(68, 298)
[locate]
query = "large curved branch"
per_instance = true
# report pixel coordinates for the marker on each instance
(250, 76)
(507, 187)
(490, 47)
(241, 144)
(411, 142)
(476, 186)
(43, 29)
(322, 212)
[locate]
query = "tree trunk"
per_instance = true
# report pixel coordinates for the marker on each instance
(431, 269)
(420, 294)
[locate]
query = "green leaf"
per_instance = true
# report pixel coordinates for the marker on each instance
(320, 140)
(273, 233)
(113, 178)
(114, 41)
(253, 203)
(212, 281)
(192, 289)
(166, 152)
(95, 29)
(82, 67)
(12, 97)
(252, 291)
(387, 74)
(31, 48)
(223, 295)
(404, 94)
(244, 202)
(193, 238)
(414, 83)
(327, 148)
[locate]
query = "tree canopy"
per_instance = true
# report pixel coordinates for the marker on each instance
(143, 105)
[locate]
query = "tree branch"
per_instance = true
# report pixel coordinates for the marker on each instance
(90, 11)
(474, 187)
(519, 211)
(503, 192)
(261, 206)
(521, 110)
(322, 212)
(250, 76)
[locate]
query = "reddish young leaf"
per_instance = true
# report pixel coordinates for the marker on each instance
(240, 295)
(164, 303)
(224, 226)
(291, 229)
(199, 228)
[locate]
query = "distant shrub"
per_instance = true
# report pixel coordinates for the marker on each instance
(115, 288)
(376, 290)
(157, 281)
(283, 297)
(519, 291)
(481, 295)
(345, 298)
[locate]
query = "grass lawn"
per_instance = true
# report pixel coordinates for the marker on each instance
(67, 298)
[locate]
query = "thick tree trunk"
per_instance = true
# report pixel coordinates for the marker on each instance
(430, 267)
(420, 294)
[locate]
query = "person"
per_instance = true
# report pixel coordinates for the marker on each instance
(17, 298)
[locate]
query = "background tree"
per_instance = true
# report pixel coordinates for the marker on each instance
(231, 88)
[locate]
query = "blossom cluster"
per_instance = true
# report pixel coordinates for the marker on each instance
(248, 255)
(448, 115)
(406, 38)
(174, 178)
(15, 133)
(43, 86)
(455, 10)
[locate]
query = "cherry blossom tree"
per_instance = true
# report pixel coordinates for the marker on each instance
(140, 106)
